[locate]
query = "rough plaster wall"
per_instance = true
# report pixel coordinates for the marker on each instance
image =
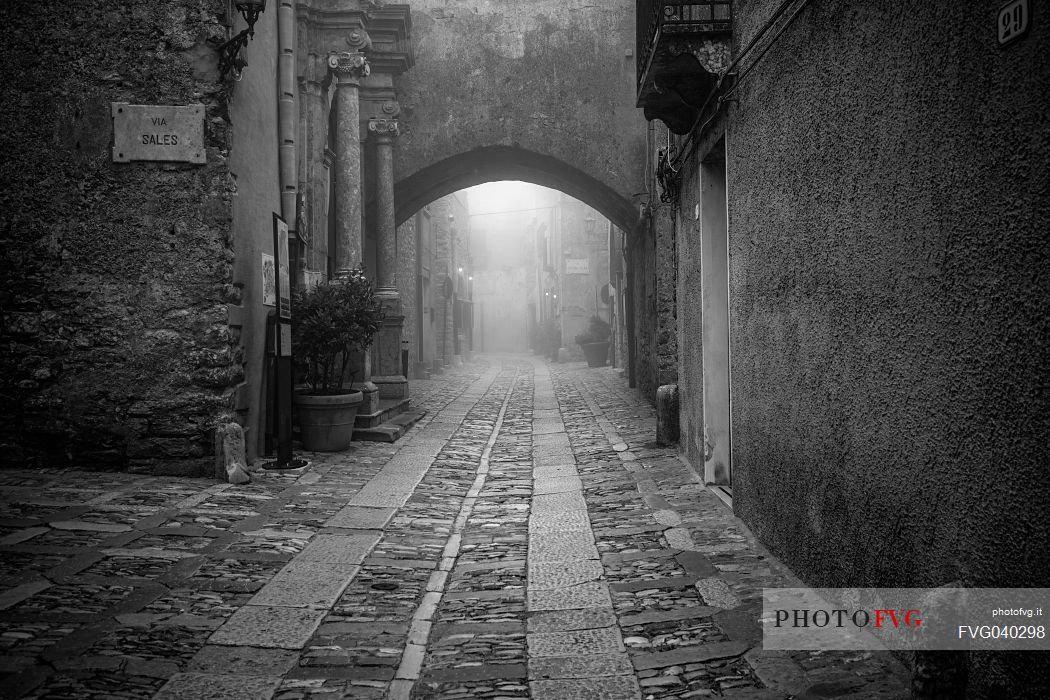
(254, 167)
(690, 325)
(888, 208)
(551, 76)
(642, 255)
(666, 269)
(116, 350)
(652, 259)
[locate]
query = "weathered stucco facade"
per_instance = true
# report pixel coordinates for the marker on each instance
(878, 184)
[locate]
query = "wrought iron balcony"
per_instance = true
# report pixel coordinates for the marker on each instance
(682, 49)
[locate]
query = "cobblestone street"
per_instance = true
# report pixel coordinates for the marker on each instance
(525, 539)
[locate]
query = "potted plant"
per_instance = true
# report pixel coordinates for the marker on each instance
(594, 342)
(329, 323)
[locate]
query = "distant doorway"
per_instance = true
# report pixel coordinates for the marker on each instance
(714, 270)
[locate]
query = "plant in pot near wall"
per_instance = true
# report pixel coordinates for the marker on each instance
(329, 323)
(594, 342)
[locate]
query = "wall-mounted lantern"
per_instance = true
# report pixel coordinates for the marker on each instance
(230, 60)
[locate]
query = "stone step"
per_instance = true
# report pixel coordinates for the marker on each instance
(392, 429)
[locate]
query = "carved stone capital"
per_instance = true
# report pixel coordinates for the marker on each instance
(348, 67)
(385, 128)
(358, 40)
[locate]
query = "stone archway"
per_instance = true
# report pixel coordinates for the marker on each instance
(541, 91)
(490, 163)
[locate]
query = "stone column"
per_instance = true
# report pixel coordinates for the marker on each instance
(347, 67)
(388, 376)
(314, 170)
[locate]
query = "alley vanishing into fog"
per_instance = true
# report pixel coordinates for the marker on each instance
(525, 539)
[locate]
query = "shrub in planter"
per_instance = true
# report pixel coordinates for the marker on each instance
(330, 322)
(594, 342)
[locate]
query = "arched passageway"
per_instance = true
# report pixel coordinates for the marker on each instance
(492, 163)
(501, 163)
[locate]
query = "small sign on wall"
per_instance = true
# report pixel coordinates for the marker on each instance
(1013, 21)
(158, 133)
(284, 288)
(577, 266)
(269, 280)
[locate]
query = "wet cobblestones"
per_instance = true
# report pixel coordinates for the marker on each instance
(525, 540)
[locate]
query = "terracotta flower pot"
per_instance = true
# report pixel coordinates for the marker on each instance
(326, 423)
(596, 353)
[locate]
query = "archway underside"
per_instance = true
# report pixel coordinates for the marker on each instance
(491, 163)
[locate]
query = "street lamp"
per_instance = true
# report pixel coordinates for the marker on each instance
(229, 53)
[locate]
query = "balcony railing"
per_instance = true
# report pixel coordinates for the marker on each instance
(656, 17)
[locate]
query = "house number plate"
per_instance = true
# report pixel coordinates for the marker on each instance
(1014, 18)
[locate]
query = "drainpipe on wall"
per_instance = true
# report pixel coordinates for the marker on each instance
(287, 119)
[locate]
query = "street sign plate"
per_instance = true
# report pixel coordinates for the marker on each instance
(158, 132)
(1013, 21)
(577, 266)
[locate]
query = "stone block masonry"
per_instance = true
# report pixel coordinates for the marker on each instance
(117, 296)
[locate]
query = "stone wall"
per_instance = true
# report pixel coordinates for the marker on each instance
(888, 203)
(665, 293)
(642, 297)
(651, 259)
(553, 79)
(116, 347)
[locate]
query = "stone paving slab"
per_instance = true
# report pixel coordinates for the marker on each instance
(612, 688)
(243, 661)
(690, 612)
(562, 546)
(361, 518)
(303, 584)
(339, 549)
(550, 439)
(475, 673)
(585, 595)
(565, 620)
(552, 503)
(580, 666)
(194, 686)
(269, 626)
(553, 459)
(602, 640)
(716, 591)
(694, 654)
(559, 522)
(557, 480)
(547, 575)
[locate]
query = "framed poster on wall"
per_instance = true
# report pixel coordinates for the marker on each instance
(280, 249)
(269, 281)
